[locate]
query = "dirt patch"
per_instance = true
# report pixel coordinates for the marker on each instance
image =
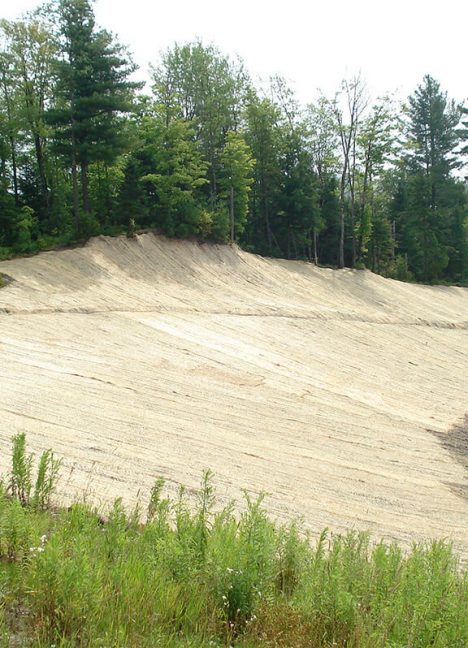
(5, 280)
(456, 442)
(136, 358)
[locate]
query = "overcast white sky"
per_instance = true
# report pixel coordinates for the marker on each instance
(313, 44)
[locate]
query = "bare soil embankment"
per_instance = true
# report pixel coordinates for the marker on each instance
(335, 391)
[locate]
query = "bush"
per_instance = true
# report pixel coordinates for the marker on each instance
(27, 231)
(88, 226)
(220, 226)
(205, 224)
(397, 268)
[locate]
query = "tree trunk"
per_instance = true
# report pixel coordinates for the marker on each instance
(294, 240)
(342, 202)
(108, 202)
(14, 169)
(266, 213)
(214, 181)
(342, 226)
(10, 137)
(353, 235)
(76, 201)
(85, 187)
(232, 214)
(42, 172)
(351, 172)
(362, 207)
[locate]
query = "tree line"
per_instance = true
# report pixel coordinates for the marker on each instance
(344, 181)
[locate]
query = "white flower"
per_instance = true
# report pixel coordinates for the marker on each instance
(36, 549)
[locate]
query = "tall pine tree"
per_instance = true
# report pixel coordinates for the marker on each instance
(426, 226)
(93, 92)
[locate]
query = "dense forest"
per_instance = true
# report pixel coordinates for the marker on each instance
(345, 181)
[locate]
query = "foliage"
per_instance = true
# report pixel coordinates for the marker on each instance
(93, 92)
(236, 180)
(178, 173)
(197, 574)
(346, 180)
(21, 482)
(430, 218)
(263, 137)
(199, 84)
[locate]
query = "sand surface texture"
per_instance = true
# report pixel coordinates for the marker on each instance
(340, 393)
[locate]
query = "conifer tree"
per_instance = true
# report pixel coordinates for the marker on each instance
(93, 93)
(426, 226)
(463, 131)
(432, 135)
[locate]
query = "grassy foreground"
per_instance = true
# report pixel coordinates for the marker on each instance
(193, 575)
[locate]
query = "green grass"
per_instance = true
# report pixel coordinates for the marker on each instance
(194, 575)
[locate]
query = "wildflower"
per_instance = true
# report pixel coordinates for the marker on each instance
(36, 549)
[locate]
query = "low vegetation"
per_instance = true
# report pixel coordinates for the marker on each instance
(196, 575)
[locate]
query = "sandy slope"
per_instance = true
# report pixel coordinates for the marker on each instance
(335, 391)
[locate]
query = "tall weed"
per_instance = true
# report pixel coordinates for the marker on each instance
(197, 574)
(21, 479)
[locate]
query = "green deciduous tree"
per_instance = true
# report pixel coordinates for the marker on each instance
(322, 143)
(376, 151)
(178, 173)
(348, 108)
(197, 83)
(236, 180)
(263, 137)
(31, 48)
(9, 124)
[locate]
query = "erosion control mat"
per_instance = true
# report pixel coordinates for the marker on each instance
(331, 390)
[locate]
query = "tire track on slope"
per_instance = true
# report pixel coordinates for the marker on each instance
(337, 317)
